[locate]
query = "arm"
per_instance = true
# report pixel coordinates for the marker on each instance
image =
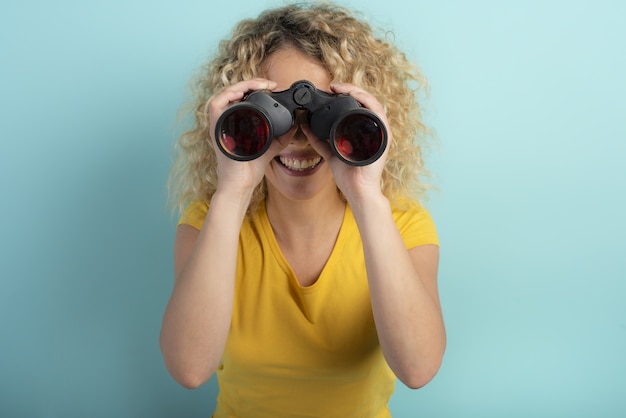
(403, 290)
(403, 283)
(197, 318)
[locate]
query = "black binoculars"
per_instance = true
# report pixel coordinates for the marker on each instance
(356, 135)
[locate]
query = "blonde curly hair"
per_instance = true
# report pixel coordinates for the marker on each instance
(348, 46)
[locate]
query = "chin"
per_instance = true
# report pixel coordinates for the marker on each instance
(300, 186)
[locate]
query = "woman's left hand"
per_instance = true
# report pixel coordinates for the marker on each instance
(355, 182)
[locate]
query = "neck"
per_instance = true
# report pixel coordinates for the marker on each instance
(314, 218)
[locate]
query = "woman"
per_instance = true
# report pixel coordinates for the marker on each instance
(306, 283)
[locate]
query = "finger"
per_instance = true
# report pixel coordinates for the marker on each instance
(320, 146)
(276, 146)
(234, 93)
(368, 101)
(360, 95)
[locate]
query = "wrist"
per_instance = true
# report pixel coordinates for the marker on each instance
(364, 196)
(233, 200)
(368, 202)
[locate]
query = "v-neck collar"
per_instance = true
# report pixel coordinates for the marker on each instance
(282, 260)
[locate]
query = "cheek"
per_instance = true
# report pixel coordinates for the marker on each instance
(269, 171)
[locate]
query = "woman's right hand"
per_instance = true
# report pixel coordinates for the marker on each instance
(239, 176)
(197, 320)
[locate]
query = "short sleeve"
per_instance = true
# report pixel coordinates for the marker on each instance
(194, 214)
(416, 226)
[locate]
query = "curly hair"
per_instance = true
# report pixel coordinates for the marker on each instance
(351, 50)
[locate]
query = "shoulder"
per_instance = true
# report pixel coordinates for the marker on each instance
(415, 224)
(194, 214)
(196, 211)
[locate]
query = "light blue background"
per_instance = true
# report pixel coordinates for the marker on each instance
(527, 98)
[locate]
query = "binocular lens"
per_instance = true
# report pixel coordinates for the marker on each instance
(244, 134)
(358, 137)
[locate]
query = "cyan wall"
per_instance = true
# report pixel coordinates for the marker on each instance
(527, 98)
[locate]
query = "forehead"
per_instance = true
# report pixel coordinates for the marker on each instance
(289, 65)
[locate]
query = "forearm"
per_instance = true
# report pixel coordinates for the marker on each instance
(197, 318)
(405, 306)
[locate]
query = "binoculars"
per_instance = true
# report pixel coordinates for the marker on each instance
(355, 134)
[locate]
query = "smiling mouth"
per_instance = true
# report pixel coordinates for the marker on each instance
(299, 164)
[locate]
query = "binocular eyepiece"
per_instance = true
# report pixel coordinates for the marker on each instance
(356, 135)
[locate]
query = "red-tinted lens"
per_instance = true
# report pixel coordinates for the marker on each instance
(358, 138)
(244, 133)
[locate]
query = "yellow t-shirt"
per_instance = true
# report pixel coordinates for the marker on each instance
(312, 351)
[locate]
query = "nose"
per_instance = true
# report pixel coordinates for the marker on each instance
(300, 118)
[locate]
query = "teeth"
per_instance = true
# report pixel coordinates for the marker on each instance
(300, 165)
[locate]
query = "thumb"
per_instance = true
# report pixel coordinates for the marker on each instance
(321, 146)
